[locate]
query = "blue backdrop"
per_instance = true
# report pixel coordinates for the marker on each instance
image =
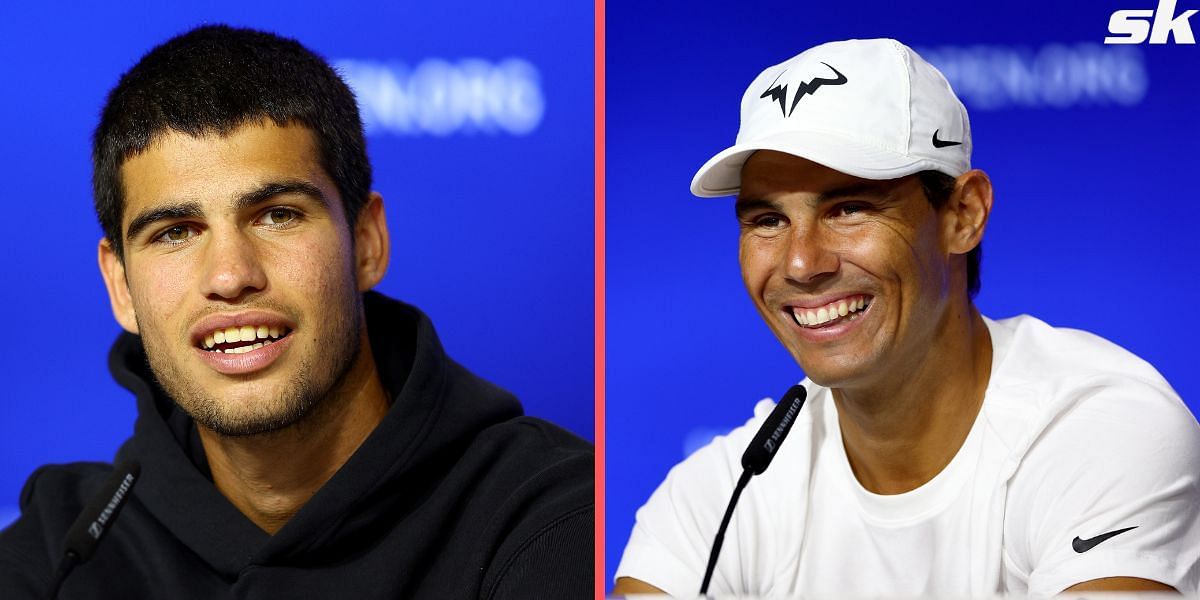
(480, 119)
(1092, 150)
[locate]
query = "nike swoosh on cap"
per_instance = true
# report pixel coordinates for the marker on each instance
(1082, 546)
(942, 143)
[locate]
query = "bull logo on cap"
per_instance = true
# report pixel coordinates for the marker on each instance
(779, 92)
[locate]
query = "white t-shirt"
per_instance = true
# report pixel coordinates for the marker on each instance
(1076, 438)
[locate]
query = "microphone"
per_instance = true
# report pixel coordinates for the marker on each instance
(96, 518)
(755, 460)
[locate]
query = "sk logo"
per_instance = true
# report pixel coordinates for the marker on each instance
(779, 92)
(1134, 26)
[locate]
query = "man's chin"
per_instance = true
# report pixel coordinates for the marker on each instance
(236, 411)
(834, 372)
(228, 422)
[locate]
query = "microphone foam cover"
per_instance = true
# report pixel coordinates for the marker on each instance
(95, 518)
(770, 436)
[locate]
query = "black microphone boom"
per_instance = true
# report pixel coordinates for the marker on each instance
(95, 520)
(755, 460)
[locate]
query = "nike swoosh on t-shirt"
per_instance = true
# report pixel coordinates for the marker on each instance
(1082, 546)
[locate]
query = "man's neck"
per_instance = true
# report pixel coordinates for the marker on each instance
(270, 477)
(900, 433)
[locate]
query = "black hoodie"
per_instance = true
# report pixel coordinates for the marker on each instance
(454, 495)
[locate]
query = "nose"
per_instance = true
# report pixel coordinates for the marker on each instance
(810, 254)
(232, 266)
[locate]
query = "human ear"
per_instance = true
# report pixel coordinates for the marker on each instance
(113, 270)
(966, 213)
(372, 245)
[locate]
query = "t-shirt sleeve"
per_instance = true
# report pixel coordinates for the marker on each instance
(1109, 489)
(673, 532)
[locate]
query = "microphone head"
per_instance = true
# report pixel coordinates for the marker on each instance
(96, 518)
(770, 436)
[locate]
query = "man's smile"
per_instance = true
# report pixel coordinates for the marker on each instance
(247, 358)
(827, 319)
(237, 344)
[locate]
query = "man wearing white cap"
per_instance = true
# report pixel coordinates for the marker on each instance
(940, 452)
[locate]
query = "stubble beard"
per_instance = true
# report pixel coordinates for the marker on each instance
(315, 381)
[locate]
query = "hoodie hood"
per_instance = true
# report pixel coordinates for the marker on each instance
(438, 408)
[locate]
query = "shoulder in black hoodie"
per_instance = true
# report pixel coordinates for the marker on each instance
(454, 495)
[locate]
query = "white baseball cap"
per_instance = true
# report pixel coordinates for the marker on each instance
(869, 108)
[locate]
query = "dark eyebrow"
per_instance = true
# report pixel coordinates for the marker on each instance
(192, 210)
(148, 217)
(873, 189)
(278, 188)
(876, 189)
(747, 205)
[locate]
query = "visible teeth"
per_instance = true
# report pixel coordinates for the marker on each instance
(830, 312)
(244, 333)
(256, 346)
